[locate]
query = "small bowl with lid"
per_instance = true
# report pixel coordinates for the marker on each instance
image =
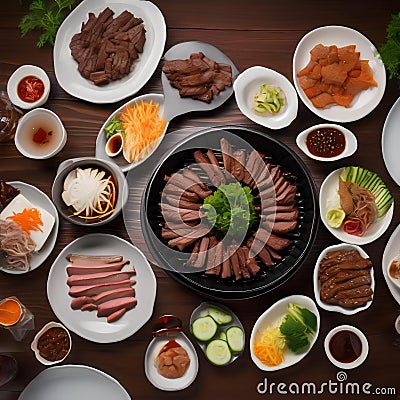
(346, 347)
(28, 87)
(52, 344)
(327, 142)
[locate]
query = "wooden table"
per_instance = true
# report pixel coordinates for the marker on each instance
(250, 33)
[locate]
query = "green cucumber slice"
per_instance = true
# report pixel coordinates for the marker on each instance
(219, 316)
(222, 336)
(218, 353)
(235, 338)
(204, 328)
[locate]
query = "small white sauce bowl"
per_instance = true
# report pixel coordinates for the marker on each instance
(364, 349)
(38, 118)
(350, 148)
(108, 144)
(34, 344)
(248, 83)
(394, 280)
(21, 73)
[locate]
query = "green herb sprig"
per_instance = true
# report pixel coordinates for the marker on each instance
(46, 16)
(230, 207)
(390, 50)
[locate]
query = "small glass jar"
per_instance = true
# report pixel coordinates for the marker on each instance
(24, 322)
(9, 116)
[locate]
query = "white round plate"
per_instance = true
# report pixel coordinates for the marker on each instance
(102, 141)
(317, 285)
(248, 83)
(66, 68)
(391, 142)
(340, 36)
(40, 199)
(77, 382)
(391, 251)
(158, 380)
(329, 198)
(272, 316)
(87, 324)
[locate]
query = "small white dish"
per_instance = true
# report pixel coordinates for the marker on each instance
(248, 83)
(394, 280)
(317, 285)
(101, 140)
(114, 145)
(21, 73)
(28, 126)
(272, 316)
(34, 344)
(364, 349)
(329, 198)
(350, 147)
(160, 381)
(397, 325)
(365, 101)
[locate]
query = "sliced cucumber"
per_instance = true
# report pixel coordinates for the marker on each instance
(371, 181)
(218, 352)
(222, 336)
(219, 316)
(204, 328)
(235, 338)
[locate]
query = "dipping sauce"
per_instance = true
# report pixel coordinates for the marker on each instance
(10, 312)
(30, 89)
(345, 346)
(326, 142)
(114, 145)
(172, 361)
(394, 269)
(54, 344)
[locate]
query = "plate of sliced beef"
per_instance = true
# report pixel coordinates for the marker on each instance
(106, 51)
(196, 76)
(220, 257)
(102, 288)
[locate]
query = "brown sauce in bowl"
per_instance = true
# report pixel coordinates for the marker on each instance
(326, 142)
(345, 346)
(394, 269)
(54, 344)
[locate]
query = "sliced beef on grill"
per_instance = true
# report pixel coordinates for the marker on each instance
(211, 255)
(202, 255)
(283, 226)
(186, 184)
(213, 171)
(181, 242)
(226, 150)
(181, 203)
(287, 196)
(235, 263)
(243, 263)
(251, 262)
(171, 189)
(215, 259)
(283, 216)
(274, 254)
(168, 234)
(265, 257)
(226, 271)
(239, 158)
(195, 253)
(171, 213)
(194, 177)
(195, 231)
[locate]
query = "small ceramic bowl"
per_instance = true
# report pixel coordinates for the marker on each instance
(15, 79)
(34, 345)
(364, 347)
(350, 147)
(248, 83)
(88, 162)
(317, 284)
(28, 126)
(114, 145)
(396, 281)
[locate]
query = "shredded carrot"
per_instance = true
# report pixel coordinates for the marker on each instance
(143, 127)
(28, 220)
(269, 347)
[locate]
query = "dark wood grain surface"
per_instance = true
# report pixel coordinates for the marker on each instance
(250, 33)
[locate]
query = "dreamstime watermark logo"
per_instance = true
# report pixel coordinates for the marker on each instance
(341, 386)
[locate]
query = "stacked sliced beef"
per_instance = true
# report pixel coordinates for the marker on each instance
(106, 47)
(198, 77)
(99, 283)
(186, 226)
(345, 278)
